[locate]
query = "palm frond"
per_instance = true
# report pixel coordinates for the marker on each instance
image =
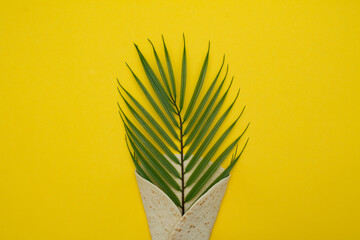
(160, 155)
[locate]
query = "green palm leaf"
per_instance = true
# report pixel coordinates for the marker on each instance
(170, 69)
(198, 85)
(189, 129)
(183, 77)
(161, 70)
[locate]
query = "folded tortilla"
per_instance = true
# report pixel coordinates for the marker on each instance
(164, 217)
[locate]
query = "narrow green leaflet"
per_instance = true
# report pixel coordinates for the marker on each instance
(161, 70)
(183, 76)
(209, 172)
(170, 69)
(153, 103)
(155, 176)
(198, 85)
(158, 128)
(204, 100)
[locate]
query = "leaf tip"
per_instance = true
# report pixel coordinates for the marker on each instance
(227, 69)
(231, 82)
(150, 42)
(237, 94)
(208, 49)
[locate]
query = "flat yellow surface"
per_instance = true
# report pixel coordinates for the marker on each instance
(65, 172)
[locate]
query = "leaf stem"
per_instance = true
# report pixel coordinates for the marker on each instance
(181, 158)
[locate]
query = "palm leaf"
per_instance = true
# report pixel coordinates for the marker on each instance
(191, 127)
(170, 69)
(198, 85)
(183, 77)
(161, 70)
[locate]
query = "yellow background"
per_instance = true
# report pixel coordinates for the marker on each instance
(65, 172)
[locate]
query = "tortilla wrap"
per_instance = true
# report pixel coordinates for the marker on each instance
(164, 217)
